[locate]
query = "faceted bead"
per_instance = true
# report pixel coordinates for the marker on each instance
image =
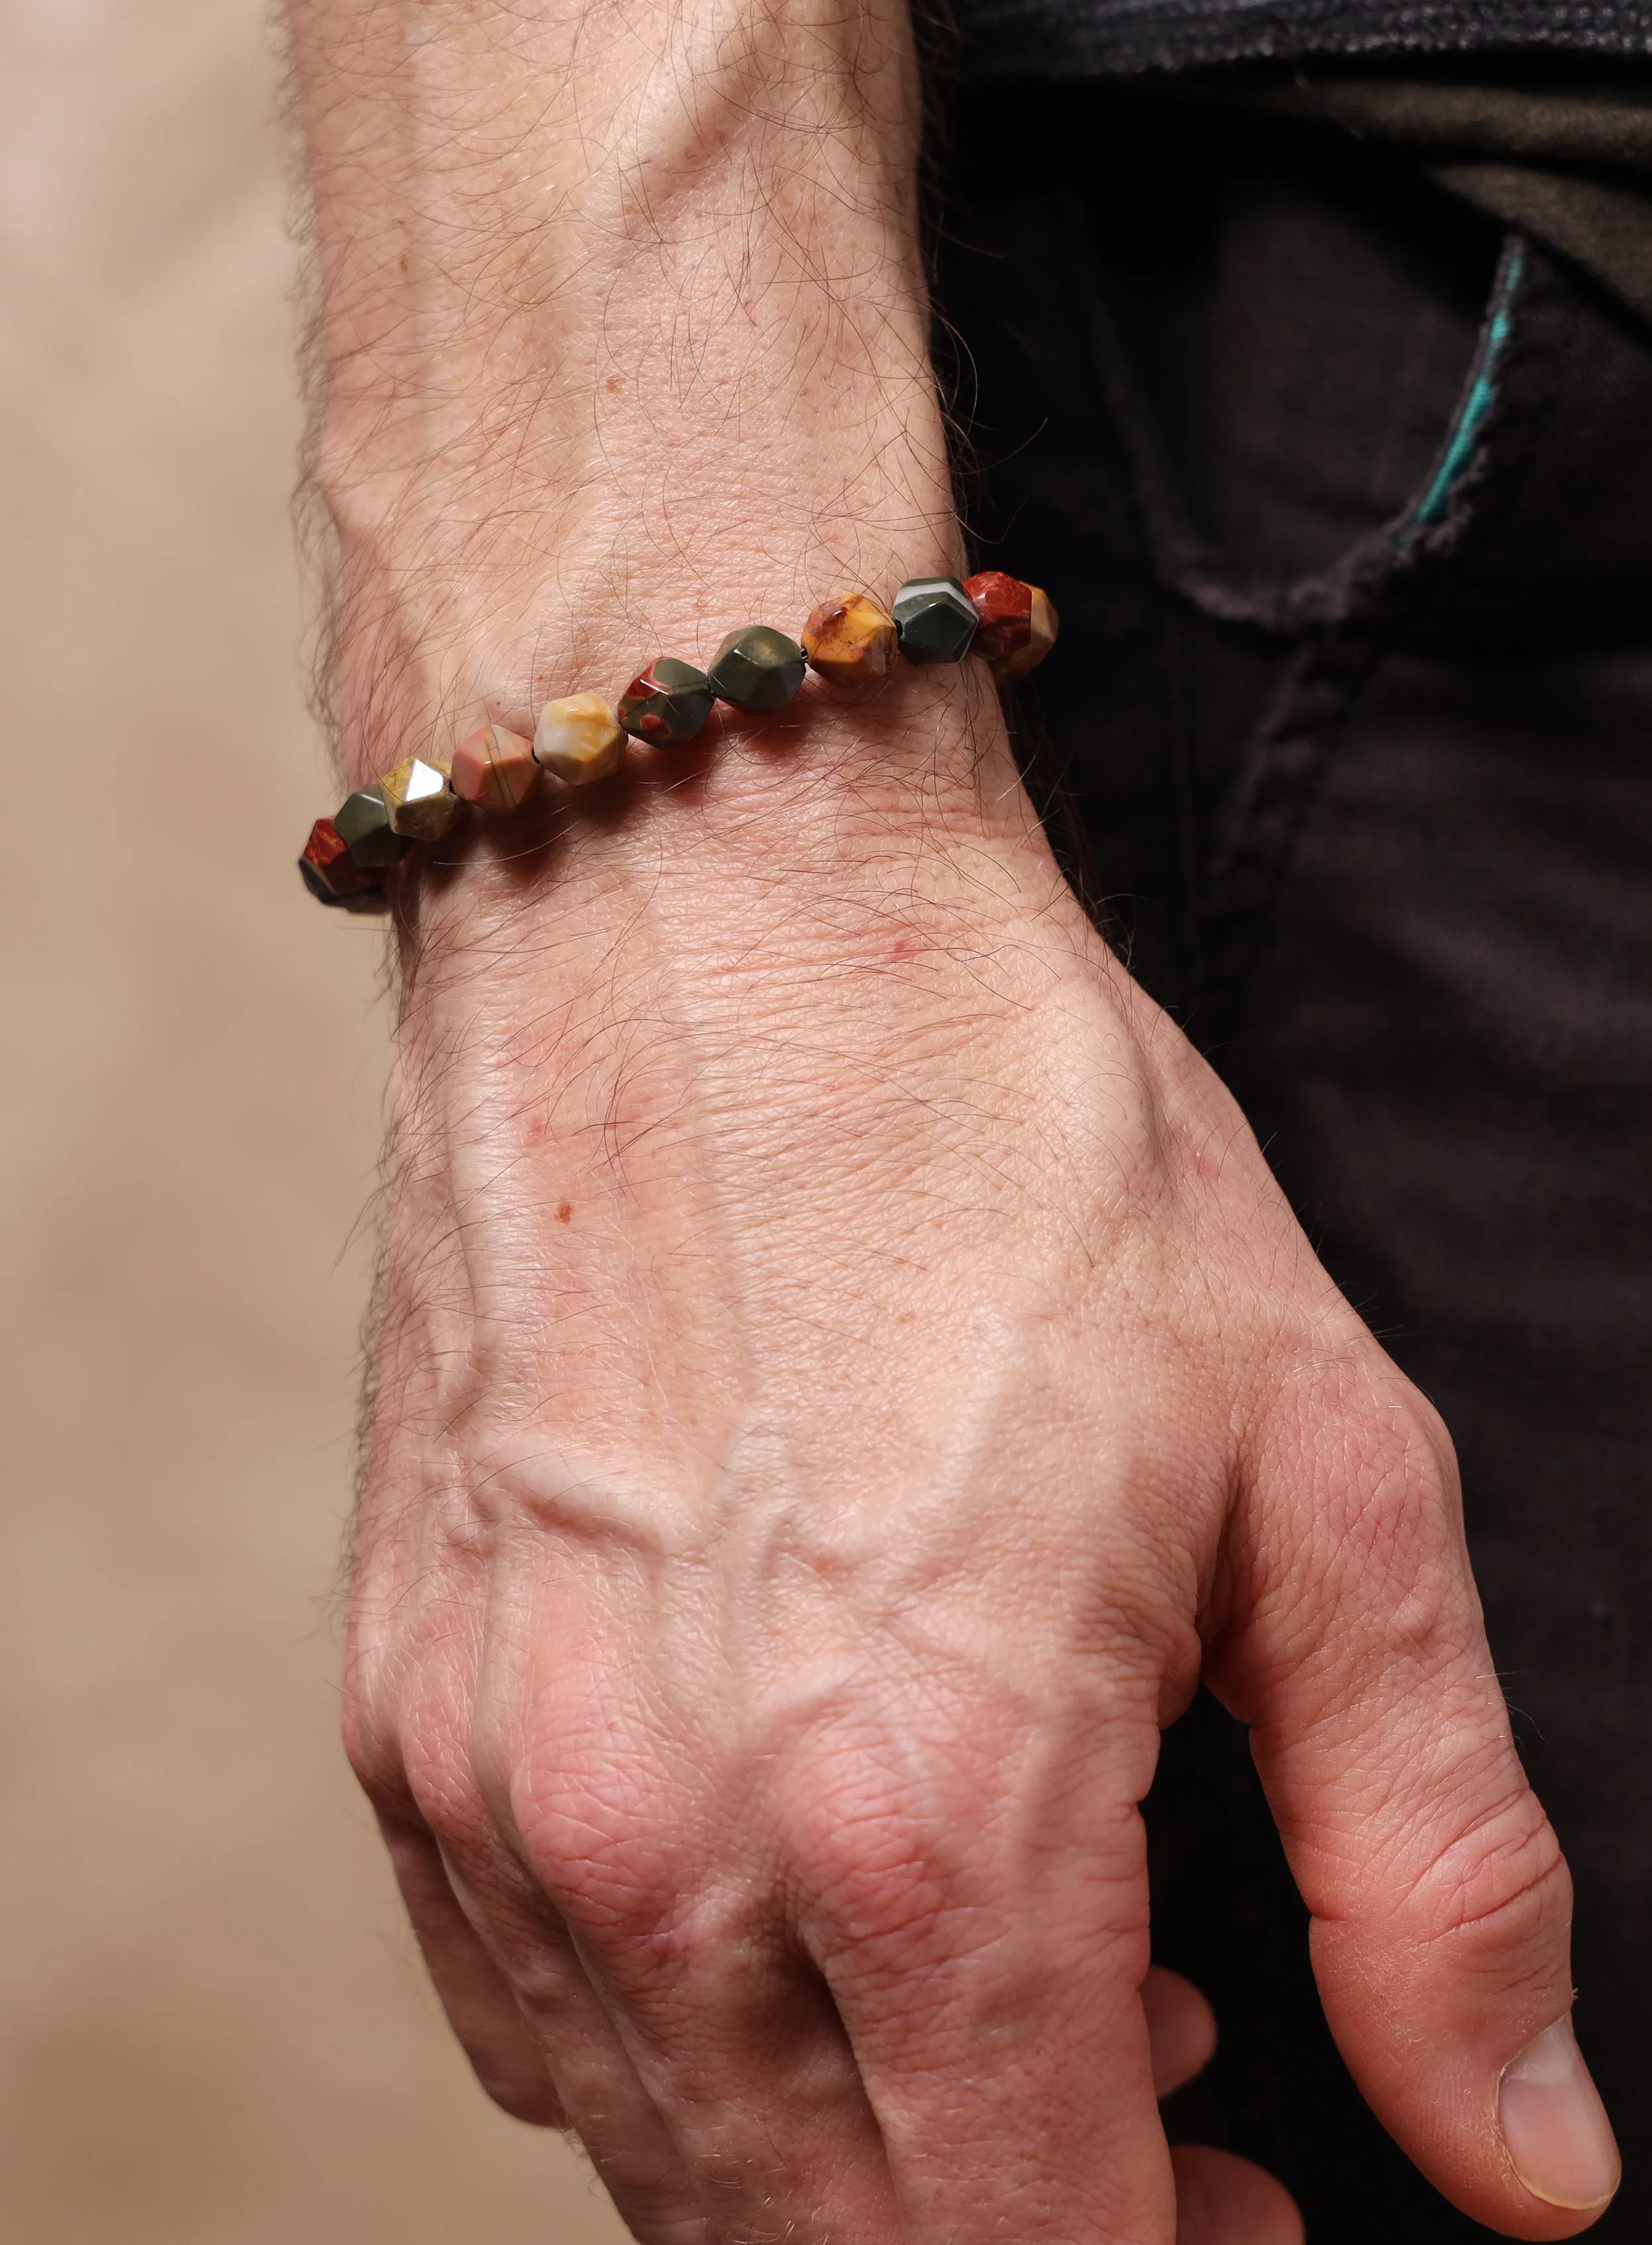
(333, 876)
(494, 769)
(422, 805)
(667, 703)
(758, 668)
(363, 821)
(1018, 622)
(935, 619)
(1003, 607)
(850, 640)
(579, 739)
(1045, 625)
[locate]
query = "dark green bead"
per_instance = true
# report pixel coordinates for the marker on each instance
(363, 821)
(316, 884)
(758, 668)
(667, 703)
(935, 619)
(370, 900)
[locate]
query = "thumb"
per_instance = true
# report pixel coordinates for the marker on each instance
(1441, 1904)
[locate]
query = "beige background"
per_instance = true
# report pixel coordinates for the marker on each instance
(214, 2029)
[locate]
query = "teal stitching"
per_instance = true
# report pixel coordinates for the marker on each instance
(1481, 397)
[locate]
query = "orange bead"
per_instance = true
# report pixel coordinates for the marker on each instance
(850, 640)
(1017, 622)
(494, 769)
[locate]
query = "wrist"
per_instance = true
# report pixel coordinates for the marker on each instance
(425, 652)
(820, 833)
(643, 357)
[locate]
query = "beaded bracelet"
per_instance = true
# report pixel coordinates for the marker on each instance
(579, 739)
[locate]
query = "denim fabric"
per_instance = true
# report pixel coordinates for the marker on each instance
(1345, 500)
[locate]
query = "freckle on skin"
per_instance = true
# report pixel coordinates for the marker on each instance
(565, 1211)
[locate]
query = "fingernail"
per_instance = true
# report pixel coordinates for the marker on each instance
(1554, 2125)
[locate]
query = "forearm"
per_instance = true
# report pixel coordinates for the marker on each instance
(627, 337)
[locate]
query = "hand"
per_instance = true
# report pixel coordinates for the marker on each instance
(845, 1371)
(844, 1368)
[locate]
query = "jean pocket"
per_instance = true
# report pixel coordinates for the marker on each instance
(1305, 406)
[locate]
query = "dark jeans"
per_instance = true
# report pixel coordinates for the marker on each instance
(1346, 503)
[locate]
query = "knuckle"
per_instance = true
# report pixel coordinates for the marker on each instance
(377, 1751)
(1393, 1550)
(438, 1775)
(447, 1803)
(1404, 1475)
(874, 1871)
(1363, 1538)
(922, 1835)
(1498, 1886)
(935, 1924)
(866, 1838)
(1371, 1443)
(373, 1754)
(593, 1816)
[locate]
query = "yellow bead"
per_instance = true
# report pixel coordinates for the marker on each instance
(579, 739)
(850, 640)
(422, 805)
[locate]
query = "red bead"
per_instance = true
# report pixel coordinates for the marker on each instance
(1017, 622)
(1004, 607)
(330, 873)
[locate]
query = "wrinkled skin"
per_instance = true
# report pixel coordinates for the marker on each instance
(830, 1414)
(845, 1370)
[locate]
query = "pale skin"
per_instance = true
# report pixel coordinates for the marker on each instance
(845, 1370)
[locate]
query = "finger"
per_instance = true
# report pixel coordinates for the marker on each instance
(673, 1896)
(731, 2031)
(980, 1912)
(1181, 2028)
(1441, 1904)
(1222, 2200)
(597, 2088)
(478, 2002)
(951, 2023)
(509, 1937)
